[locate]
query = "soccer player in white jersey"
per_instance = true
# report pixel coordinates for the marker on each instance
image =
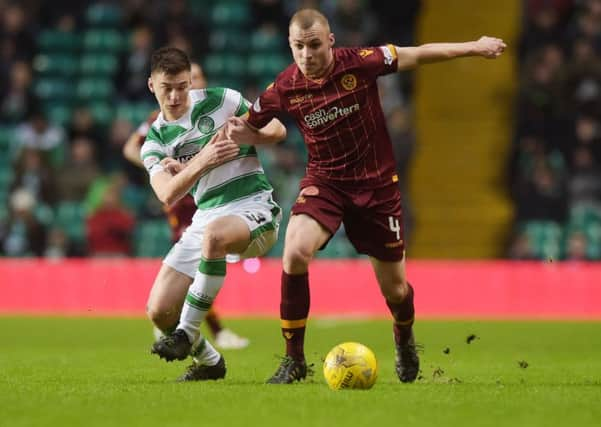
(186, 151)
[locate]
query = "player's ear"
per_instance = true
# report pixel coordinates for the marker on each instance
(331, 39)
(150, 86)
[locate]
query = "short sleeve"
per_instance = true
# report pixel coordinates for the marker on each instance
(152, 153)
(241, 104)
(266, 107)
(379, 60)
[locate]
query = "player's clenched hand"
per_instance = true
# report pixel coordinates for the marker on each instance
(239, 131)
(219, 149)
(171, 165)
(490, 47)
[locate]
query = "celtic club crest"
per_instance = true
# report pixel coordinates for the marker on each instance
(206, 124)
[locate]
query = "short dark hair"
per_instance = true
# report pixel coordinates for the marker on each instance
(169, 60)
(306, 18)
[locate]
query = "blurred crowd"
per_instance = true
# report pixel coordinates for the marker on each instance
(73, 87)
(555, 169)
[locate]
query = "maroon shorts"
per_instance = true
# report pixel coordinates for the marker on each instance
(372, 218)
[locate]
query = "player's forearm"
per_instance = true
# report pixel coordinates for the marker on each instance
(169, 189)
(410, 57)
(272, 133)
(435, 52)
(131, 149)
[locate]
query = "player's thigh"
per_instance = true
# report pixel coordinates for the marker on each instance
(304, 235)
(229, 232)
(168, 292)
(391, 277)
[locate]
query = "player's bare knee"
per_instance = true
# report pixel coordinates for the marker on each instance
(296, 259)
(395, 291)
(214, 242)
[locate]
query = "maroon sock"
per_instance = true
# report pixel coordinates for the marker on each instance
(404, 314)
(294, 310)
(213, 322)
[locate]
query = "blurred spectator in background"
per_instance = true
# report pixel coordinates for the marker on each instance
(23, 235)
(34, 174)
(584, 186)
(353, 23)
(79, 171)
(109, 228)
(16, 34)
(577, 247)
(40, 134)
(132, 77)
(16, 99)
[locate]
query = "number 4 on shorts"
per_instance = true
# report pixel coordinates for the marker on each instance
(395, 226)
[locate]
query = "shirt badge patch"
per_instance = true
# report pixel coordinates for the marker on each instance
(365, 52)
(206, 124)
(349, 81)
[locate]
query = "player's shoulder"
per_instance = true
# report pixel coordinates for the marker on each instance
(285, 78)
(356, 53)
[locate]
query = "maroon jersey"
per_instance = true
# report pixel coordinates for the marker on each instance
(180, 216)
(340, 116)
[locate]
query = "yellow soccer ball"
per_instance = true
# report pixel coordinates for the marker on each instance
(350, 365)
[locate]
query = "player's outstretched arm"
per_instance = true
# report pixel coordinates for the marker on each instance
(131, 149)
(241, 132)
(411, 57)
(170, 188)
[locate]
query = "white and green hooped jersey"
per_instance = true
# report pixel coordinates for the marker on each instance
(181, 139)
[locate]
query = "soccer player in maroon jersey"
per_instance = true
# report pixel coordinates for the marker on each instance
(350, 176)
(179, 215)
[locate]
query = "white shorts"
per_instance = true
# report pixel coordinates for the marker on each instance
(260, 213)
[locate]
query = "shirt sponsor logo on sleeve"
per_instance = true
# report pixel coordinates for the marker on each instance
(300, 98)
(388, 58)
(150, 161)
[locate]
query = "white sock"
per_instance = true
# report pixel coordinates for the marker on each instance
(204, 353)
(158, 334)
(201, 294)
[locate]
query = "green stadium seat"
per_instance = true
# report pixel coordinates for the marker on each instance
(98, 64)
(152, 238)
(586, 219)
(200, 9)
(101, 112)
(230, 14)
(6, 178)
(71, 217)
(135, 113)
(53, 88)
(103, 15)
(6, 138)
(546, 238)
(94, 89)
(266, 65)
(266, 42)
(58, 41)
(228, 41)
(106, 41)
(59, 113)
(54, 64)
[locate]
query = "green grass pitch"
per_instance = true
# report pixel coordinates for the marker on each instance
(98, 372)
